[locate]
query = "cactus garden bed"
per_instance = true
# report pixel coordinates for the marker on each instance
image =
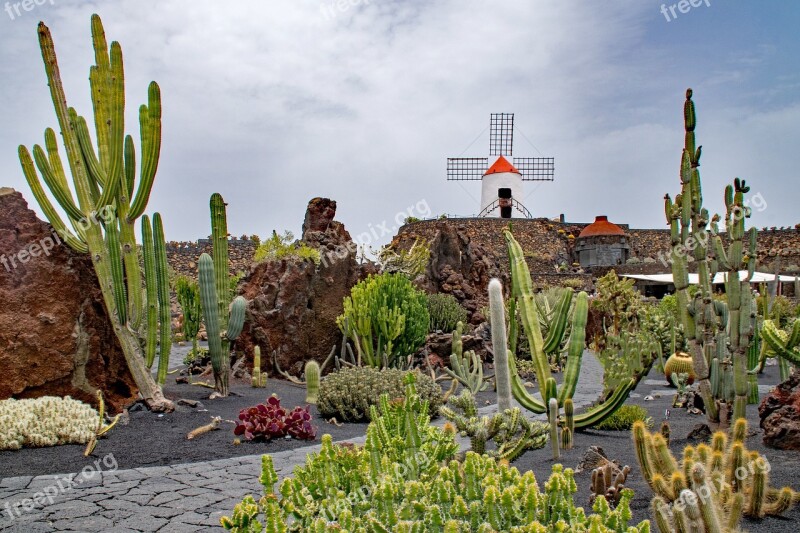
(150, 439)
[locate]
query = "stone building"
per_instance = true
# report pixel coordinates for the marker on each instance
(602, 244)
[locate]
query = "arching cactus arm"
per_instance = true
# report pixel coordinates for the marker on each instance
(596, 415)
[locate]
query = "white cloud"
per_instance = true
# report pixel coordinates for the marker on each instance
(273, 103)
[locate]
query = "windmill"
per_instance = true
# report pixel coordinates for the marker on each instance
(502, 188)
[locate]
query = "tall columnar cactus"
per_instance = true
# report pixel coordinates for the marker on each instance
(164, 304)
(710, 325)
(104, 180)
(312, 372)
(224, 318)
(688, 227)
(497, 311)
(741, 313)
(523, 293)
(568, 431)
(552, 418)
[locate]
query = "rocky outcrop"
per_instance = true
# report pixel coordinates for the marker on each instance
(293, 304)
(55, 338)
(780, 415)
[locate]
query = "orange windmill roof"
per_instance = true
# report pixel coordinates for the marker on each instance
(501, 165)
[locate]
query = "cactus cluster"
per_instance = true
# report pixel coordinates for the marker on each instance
(466, 368)
(522, 294)
(716, 331)
(609, 481)
(445, 312)
(46, 421)
(405, 479)
(723, 478)
(512, 433)
(349, 393)
(107, 200)
(630, 353)
(387, 319)
(224, 318)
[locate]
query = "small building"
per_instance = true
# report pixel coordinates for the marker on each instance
(602, 244)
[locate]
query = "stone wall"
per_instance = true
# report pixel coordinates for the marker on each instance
(183, 256)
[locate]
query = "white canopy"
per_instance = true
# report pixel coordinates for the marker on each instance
(758, 277)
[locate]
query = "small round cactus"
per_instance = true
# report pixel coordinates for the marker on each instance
(679, 363)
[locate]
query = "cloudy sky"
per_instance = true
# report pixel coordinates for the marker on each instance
(273, 102)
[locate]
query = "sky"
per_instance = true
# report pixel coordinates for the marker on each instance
(274, 102)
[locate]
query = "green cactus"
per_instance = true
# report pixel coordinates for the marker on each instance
(522, 291)
(552, 418)
(711, 326)
(224, 318)
(108, 199)
(499, 344)
(312, 372)
(164, 305)
(465, 368)
(569, 424)
(512, 433)
(259, 378)
(187, 292)
(736, 474)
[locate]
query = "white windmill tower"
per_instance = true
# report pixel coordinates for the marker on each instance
(502, 189)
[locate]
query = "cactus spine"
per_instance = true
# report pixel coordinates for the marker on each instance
(501, 355)
(552, 418)
(105, 187)
(312, 372)
(259, 379)
(215, 296)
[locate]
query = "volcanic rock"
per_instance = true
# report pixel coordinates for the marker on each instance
(780, 415)
(293, 303)
(55, 337)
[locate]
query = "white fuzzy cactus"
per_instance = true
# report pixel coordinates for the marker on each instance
(45, 421)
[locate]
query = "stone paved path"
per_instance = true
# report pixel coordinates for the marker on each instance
(169, 499)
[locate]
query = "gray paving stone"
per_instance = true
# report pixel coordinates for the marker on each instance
(88, 523)
(71, 509)
(179, 527)
(163, 498)
(145, 522)
(15, 483)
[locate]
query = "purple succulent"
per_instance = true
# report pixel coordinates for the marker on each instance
(267, 421)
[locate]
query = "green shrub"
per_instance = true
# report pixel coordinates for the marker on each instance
(624, 418)
(445, 312)
(283, 246)
(405, 479)
(349, 393)
(410, 263)
(387, 320)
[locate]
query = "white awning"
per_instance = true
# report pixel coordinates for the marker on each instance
(758, 277)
